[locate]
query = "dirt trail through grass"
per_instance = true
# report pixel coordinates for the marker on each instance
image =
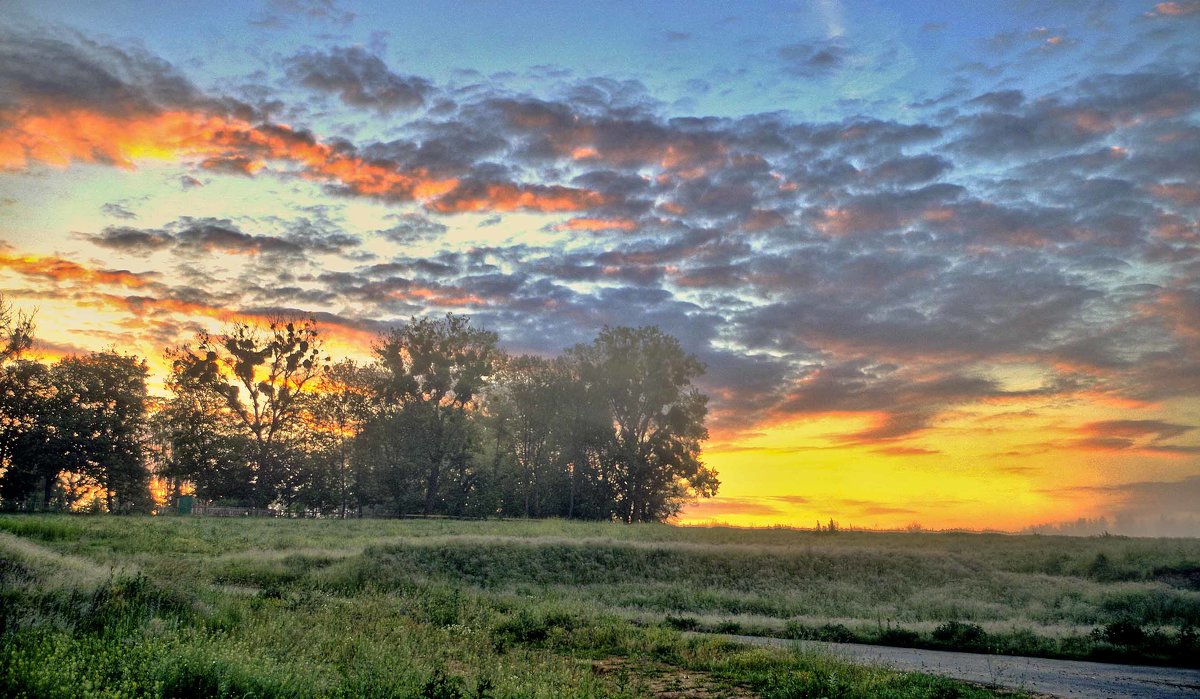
(1056, 678)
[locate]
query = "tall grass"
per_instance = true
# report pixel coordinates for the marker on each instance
(176, 606)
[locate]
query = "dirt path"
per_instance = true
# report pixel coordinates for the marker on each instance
(1058, 678)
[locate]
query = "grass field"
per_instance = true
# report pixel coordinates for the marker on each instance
(174, 606)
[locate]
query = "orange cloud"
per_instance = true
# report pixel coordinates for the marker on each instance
(1177, 9)
(1178, 193)
(341, 332)
(451, 297)
(597, 224)
(510, 197)
(761, 220)
(61, 138)
(59, 270)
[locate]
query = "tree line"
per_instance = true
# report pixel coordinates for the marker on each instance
(441, 422)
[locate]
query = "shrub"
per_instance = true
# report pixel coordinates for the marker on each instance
(898, 637)
(731, 627)
(442, 686)
(960, 634)
(829, 633)
(1121, 633)
(682, 623)
(531, 628)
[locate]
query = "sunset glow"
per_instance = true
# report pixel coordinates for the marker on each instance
(942, 262)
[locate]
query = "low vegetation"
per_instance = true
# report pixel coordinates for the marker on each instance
(96, 606)
(177, 606)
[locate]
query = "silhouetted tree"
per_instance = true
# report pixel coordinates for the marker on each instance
(100, 401)
(434, 370)
(30, 453)
(258, 373)
(530, 407)
(344, 402)
(643, 378)
(24, 393)
(16, 331)
(201, 441)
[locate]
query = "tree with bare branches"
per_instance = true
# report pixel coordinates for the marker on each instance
(259, 373)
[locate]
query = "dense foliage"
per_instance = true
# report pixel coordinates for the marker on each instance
(441, 423)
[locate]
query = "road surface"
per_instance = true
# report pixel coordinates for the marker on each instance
(1042, 676)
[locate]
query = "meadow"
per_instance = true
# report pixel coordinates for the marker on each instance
(180, 606)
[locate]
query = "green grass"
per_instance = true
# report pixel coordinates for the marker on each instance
(178, 606)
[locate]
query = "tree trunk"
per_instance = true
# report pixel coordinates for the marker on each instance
(431, 485)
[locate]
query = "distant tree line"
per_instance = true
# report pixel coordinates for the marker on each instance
(442, 422)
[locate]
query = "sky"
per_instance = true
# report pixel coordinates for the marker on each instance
(942, 260)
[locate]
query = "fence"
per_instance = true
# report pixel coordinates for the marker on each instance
(225, 511)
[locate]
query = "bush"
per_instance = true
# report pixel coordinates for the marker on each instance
(682, 623)
(1121, 633)
(530, 628)
(960, 634)
(441, 686)
(898, 637)
(828, 633)
(730, 627)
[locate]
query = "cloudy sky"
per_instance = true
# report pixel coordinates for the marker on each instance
(942, 259)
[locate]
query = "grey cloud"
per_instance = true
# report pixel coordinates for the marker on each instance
(413, 228)
(43, 72)
(909, 170)
(72, 70)
(282, 12)
(1087, 112)
(117, 210)
(811, 59)
(134, 241)
(204, 236)
(358, 78)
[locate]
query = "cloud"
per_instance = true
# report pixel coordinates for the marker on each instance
(413, 228)
(117, 210)
(358, 78)
(59, 270)
(1155, 429)
(135, 241)
(813, 59)
(1176, 9)
(1083, 114)
(723, 506)
(473, 195)
(65, 71)
(597, 224)
(281, 13)
(1144, 436)
(205, 236)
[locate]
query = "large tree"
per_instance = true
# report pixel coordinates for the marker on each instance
(201, 442)
(24, 391)
(643, 378)
(531, 408)
(341, 407)
(100, 405)
(434, 370)
(257, 374)
(16, 331)
(30, 453)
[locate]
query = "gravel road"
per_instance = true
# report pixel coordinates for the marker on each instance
(1042, 676)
